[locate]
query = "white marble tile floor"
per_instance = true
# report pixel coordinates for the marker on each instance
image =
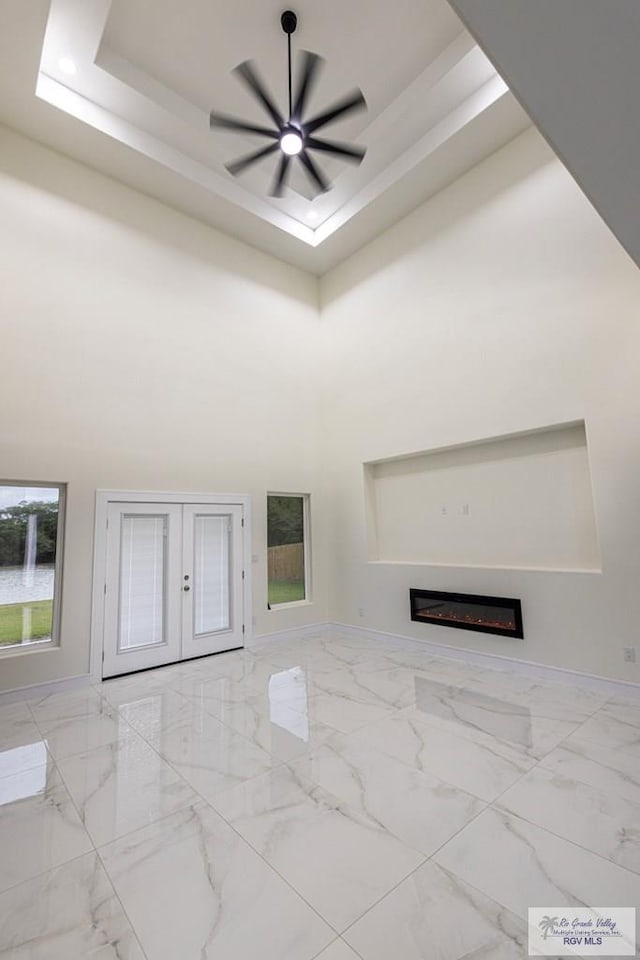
(323, 797)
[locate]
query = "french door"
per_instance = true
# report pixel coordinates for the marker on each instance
(174, 583)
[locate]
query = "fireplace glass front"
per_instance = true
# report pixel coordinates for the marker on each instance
(467, 611)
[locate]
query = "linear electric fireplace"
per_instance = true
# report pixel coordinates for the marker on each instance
(467, 611)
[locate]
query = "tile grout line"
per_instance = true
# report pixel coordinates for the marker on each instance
(504, 906)
(243, 840)
(537, 763)
(201, 799)
(339, 939)
(488, 805)
(93, 852)
(427, 859)
(393, 712)
(122, 906)
(278, 766)
(43, 873)
(430, 858)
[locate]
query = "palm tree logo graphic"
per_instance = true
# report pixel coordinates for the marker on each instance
(547, 924)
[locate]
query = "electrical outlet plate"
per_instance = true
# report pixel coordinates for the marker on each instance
(629, 654)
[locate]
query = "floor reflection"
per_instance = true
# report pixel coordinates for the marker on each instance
(289, 702)
(499, 718)
(23, 772)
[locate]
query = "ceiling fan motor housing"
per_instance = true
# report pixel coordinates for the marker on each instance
(289, 22)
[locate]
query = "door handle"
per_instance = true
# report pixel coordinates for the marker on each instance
(186, 588)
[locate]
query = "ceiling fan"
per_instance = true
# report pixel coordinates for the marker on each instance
(294, 136)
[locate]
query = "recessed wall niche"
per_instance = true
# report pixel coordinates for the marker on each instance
(522, 501)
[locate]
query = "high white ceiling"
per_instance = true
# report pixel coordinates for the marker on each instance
(149, 71)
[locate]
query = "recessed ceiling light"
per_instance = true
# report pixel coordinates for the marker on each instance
(67, 65)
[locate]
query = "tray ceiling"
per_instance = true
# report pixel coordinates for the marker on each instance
(147, 73)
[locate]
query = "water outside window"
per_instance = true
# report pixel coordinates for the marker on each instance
(286, 548)
(29, 523)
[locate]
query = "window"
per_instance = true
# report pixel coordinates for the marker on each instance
(31, 523)
(287, 548)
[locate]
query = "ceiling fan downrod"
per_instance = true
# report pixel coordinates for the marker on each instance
(289, 23)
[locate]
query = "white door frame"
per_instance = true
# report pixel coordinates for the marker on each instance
(103, 499)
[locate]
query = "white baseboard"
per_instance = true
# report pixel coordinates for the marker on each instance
(38, 690)
(624, 689)
(612, 688)
(264, 639)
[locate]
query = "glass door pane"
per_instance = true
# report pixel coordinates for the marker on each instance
(143, 592)
(211, 574)
(213, 585)
(142, 581)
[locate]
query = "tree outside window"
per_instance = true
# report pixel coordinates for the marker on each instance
(287, 548)
(30, 522)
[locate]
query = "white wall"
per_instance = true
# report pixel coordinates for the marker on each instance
(142, 350)
(521, 501)
(530, 310)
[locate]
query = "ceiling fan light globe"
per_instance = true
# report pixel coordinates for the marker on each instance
(291, 144)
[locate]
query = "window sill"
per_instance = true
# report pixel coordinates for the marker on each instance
(22, 649)
(290, 606)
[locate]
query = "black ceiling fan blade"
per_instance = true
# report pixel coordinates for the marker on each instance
(281, 176)
(345, 150)
(350, 103)
(315, 174)
(311, 64)
(246, 71)
(225, 122)
(237, 166)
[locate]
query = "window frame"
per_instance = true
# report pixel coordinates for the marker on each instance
(53, 642)
(306, 533)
